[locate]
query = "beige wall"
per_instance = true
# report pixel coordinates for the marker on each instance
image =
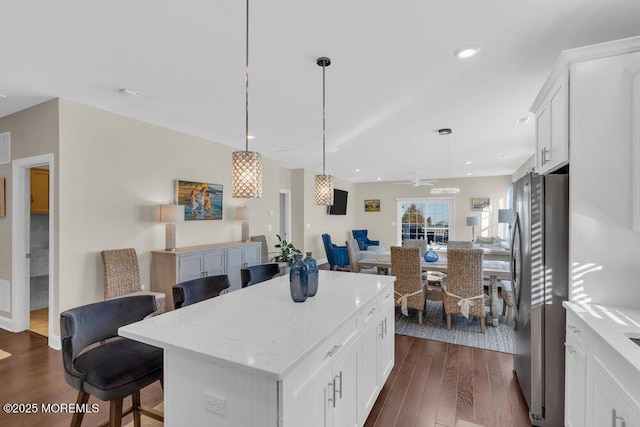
(519, 173)
(34, 131)
(114, 171)
(311, 221)
(383, 225)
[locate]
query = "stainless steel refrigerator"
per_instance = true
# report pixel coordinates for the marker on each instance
(540, 257)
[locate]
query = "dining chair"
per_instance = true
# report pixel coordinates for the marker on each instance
(110, 369)
(363, 240)
(259, 273)
(433, 277)
(337, 256)
(122, 276)
(416, 243)
(463, 286)
(355, 255)
(507, 299)
(200, 289)
(408, 287)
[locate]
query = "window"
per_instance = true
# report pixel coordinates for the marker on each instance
(425, 219)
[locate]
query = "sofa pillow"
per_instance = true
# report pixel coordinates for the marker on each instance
(481, 240)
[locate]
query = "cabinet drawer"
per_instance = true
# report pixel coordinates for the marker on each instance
(369, 312)
(385, 297)
(298, 381)
(576, 331)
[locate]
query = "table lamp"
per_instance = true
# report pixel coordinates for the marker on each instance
(473, 222)
(506, 216)
(171, 214)
(244, 214)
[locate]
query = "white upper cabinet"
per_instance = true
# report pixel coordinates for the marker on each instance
(551, 109)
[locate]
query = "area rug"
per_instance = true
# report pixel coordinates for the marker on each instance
(4, 354)
(463, 331)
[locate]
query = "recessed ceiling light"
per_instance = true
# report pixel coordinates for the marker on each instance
(250, 136)
(522, 121)
(502, 156)
(128, 93)
(356, 170)
(468, 162)
(378, 179)
(469, 174)
(3, 96)
(466, 52)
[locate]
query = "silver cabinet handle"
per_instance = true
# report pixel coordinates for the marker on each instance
(384, 322)
(543, 155)
(373, 310)
(573, 329)
(334, 386)
(334, 350)
(381, 329)
(615, 419)
(333, 392)
(570, 348)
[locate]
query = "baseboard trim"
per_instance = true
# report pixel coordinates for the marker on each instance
(6, 323)
(55, 342)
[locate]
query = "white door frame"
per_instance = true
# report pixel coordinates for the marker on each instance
(287, 213)
(21, 198)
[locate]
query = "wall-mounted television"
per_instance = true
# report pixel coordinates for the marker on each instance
(339, 206)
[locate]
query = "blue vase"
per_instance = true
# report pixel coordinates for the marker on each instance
(313, 274)
(299, 280)
(431, 256)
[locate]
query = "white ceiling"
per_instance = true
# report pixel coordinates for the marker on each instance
(393, 82)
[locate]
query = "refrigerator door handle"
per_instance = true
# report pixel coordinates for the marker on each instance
(515, 262)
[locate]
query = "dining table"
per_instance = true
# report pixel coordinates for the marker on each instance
(493, 270)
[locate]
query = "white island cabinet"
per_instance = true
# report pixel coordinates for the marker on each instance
(256, 358)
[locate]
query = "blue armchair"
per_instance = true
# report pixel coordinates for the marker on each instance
(337, 256)
(363, 240)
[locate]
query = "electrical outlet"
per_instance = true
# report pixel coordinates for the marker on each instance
(215, 404)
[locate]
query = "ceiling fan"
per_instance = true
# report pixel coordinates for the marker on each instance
(416, 181)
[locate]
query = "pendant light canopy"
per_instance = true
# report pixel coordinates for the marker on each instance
(246, 166)
(324, 182)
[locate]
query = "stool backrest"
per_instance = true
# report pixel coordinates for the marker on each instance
(200, 289)
(258, 273)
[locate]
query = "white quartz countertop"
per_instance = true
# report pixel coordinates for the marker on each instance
(260, 328)
(614, 325)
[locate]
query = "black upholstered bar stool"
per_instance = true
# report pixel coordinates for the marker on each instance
(258, 273)
(115, 368)
(200, 289)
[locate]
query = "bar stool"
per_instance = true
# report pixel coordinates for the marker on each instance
(200, 289)
(116, 368)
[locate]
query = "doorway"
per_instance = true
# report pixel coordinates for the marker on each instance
(284, 228)
(32, 251)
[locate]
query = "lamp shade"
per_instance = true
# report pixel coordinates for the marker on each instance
(505, 216)
(244, 213)
(171, 213)
(473, 221)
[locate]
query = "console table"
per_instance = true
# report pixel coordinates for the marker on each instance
(256, 358)
(171, 267)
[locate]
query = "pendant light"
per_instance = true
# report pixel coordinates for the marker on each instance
(246, 166)
(324, 182)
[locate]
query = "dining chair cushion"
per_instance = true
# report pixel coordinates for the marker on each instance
(118, 368)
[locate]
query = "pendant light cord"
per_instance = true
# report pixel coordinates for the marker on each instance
(323, 120)
(247, 85)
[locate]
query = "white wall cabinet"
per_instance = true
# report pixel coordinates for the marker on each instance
(171, 267)
(575, 393)
(551, 109)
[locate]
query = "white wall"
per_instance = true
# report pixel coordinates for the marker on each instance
(114, 171)
(380, 224)
(605, 252)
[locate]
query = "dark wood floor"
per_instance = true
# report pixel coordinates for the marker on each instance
(432, 384)
(438, 384)
(33, 374)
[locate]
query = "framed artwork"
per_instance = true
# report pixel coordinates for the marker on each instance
(201, 201)
(480, 204)
(2, 205)
(372, 205)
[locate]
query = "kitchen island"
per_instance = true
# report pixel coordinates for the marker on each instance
(253, 357)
